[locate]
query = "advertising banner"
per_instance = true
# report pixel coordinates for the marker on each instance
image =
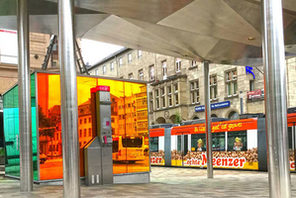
(234, 125)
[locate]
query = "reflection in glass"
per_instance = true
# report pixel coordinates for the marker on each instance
(129, 121)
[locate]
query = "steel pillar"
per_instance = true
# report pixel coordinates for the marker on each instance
(208, 120)
(26, 161)
(69, 109)
(275, 99)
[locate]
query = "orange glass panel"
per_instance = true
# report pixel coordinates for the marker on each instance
(50, 136)
(84, 84)
(128, 116)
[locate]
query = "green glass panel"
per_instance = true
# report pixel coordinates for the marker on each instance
(11, 131)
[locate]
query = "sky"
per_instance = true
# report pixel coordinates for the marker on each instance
(92, 51)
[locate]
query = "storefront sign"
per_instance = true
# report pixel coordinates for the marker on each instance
(257, 94)
(218, 105)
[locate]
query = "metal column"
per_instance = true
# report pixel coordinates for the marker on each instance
(208, 119)
(275, 99)
(69, 109)
(26, 162)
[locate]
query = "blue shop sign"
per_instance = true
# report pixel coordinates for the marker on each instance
(218, 105)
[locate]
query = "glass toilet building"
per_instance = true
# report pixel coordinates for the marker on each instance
(129, 122)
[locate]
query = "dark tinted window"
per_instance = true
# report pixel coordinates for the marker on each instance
(198, 142)
(237, 141)
(154, 144)
(132, 142)
(218, 141)
(115, 146)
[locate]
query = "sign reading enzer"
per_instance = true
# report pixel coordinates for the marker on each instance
(218, 105)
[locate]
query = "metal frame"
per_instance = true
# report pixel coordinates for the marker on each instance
(37, 125)
(148, 120)
(208, 119)
(69, 109)
(24, 94)
(273, 51)
(95, 76)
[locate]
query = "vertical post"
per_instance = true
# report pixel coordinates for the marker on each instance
(208, 119)
(26, 162)
(241, 100)
(69, 111)
(275, 99)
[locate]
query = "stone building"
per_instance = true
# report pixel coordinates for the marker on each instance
(8, 63)
(176, 86)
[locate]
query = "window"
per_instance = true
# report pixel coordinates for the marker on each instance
(111, 66)
(154, 144)
(231, 82)
(252, 85)
(89, 120)
(170, 97)
(129, 57)
(84, 132)
(89, 132)
(151, 101)
(193, 63)
(97, 72)
(233, 115)
(132, 142)
(157, 99)
(130, 76)
(151, 73)
(218, 140)
(198, 142)
(104, 69)
(84, 120)
(213, 87)
(178, 65)
(162, 91)
(141, 74)
(176, 94)
(164, 69)
(80, 133)
(194, 91)
(139, 53)
(237, 141)
(120, 61)
(80, 121)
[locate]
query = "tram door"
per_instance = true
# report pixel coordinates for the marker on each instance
(292, 146)
(179, 149)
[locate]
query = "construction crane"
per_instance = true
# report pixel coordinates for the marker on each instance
(78, 56)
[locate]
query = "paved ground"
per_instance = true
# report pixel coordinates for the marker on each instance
(165, 182)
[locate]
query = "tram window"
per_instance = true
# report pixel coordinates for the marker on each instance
(179, 143)
(115, 146)
(198, 142)
(290, 137)
(218, 141)
(132, 142)
(154, 144)
(237, 141)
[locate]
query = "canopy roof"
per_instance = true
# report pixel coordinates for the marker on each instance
(221, 31)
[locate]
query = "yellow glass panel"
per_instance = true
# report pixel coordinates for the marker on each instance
(137, 141)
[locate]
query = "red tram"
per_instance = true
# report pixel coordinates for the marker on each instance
(237, 144)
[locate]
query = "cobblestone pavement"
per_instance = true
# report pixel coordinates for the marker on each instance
(165, 182)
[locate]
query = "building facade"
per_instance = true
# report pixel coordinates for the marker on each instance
(8, 62)
(176, 86)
